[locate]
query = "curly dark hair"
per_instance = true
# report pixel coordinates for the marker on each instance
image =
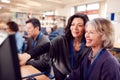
(67, 29)
(13, 26)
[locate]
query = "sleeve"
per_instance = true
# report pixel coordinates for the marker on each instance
(19, 42)
(74, 75)
(111, 70)
(39, 50)
(42, 63)
(57, 48)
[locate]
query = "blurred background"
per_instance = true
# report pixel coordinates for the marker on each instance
(51, 12)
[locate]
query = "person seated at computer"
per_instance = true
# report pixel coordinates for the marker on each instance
(54, 32)
(12, 27)
(37, 38)
(98, 64)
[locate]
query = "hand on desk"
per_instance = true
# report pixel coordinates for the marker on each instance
(23, 58)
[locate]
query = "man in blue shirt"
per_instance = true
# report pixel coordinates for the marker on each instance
(36, 39)
(54, 33)
(12, 27)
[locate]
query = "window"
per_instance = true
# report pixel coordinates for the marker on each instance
(81, 8)
(92, 10)
(93, 6)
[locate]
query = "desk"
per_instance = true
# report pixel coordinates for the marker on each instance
(29, 70)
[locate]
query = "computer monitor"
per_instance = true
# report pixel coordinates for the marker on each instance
(9, 63)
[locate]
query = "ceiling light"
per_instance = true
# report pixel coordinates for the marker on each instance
(22, 5)
(56, 1)
(33, 3)
(5, 1)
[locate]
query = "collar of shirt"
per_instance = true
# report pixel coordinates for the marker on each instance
(38, 37)
(91, 57)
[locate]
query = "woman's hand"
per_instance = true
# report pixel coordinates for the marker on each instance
(23, 58)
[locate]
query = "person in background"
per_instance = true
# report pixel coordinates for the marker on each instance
(54, 32)
(36, 39)
(12, 27)
(99, 64)
(66, 51)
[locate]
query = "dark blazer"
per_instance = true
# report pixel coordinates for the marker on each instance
(41, 62)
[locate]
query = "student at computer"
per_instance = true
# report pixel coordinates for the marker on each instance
(36, 39)
(12, 27)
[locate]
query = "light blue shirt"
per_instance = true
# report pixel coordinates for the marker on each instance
(19, 42)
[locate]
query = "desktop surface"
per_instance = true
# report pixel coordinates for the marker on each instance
(27, 70)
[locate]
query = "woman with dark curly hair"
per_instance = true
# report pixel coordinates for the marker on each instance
(66, 51)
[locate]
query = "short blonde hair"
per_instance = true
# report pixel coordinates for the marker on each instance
(105, 27)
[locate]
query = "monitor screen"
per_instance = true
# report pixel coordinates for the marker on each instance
(9, 63)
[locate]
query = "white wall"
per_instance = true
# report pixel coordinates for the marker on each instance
(65, 11)
(113, 6)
